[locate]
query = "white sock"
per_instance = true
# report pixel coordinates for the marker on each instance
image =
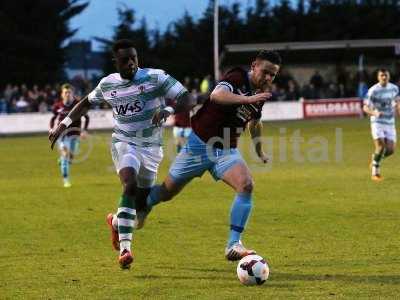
(375, 170)
(125, 244)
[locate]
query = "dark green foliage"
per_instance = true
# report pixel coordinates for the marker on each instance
(186, 47)
(32, 35)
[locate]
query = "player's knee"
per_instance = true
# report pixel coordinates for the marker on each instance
(389, 151)
(245, 186)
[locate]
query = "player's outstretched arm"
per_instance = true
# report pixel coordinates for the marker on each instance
(370, 111)
(221, 95)
(255, 128)
(75, 114)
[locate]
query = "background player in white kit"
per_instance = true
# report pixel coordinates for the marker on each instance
(381, 103)
(137, 97)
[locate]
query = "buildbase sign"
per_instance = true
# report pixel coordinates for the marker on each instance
(332, 108)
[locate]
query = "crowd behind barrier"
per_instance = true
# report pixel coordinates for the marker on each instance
(22, 98)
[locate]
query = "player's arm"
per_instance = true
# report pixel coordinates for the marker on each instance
(174, 90)
(223, 94)
(368, 108)
(76, 113)
(371, 111)
(85, 125)
(52, 120)
(255, 128)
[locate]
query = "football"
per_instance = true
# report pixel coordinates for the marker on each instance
(252, 270)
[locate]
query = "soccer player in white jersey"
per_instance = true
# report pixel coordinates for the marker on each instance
(137, 97)
(380, 104)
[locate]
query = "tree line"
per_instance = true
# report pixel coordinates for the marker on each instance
(33, 32)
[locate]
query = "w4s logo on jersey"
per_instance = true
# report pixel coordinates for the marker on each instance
(129, 108)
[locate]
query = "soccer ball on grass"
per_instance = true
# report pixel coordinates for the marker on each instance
(252, 270)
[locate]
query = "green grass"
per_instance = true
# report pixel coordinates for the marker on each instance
(327, 231)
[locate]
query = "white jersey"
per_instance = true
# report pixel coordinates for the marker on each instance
(134, 103)
(383, 98)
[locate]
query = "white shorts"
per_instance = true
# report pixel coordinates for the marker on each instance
(145, 161)
(182, 132)
(383, 131)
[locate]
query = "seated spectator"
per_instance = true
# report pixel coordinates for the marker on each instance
(21, 105)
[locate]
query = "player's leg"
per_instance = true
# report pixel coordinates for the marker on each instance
(378, 136)
(389, 147)
(126, 215)
(390, 140)
(191, 162)
(377, 158)
(127, 164)
(232, 169)
(64, 160)
(74, 148)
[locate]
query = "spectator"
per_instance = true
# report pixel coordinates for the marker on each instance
(21, 105)
(293, 91)
(206, 85)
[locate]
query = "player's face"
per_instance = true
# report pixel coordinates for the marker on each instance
(126, 62)
(67, 96)
(383, 77)
(263, 73)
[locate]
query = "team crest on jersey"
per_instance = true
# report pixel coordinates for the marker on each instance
(114, 94)
(141, 88)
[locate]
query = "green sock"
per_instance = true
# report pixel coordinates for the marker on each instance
(377, 157)
(125, 217)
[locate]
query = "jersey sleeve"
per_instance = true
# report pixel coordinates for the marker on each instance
(230, 81)
(54, 109)
(170, 87)
(368, 98)
(96, 96)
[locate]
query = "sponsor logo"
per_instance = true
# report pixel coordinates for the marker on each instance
(114, 94)
(129, 108)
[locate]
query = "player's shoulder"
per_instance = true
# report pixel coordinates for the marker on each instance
(151, 71)
(235, 75)
(113, 78)
(393, 86)
(373, 88)
(58, 104)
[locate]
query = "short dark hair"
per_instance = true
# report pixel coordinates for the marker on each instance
(66, 86)
(270, 55)
(383, 70)
(122, 44)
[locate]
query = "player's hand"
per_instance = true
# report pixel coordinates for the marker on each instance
(55, 134)
(263, 157)
(377, 113)
(84, 134)
(160, 117)
(257, 98)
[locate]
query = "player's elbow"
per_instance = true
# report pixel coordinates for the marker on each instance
(217, 96)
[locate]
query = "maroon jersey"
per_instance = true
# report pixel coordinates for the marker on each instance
(215, 120)
(60, 111)
(182, 119)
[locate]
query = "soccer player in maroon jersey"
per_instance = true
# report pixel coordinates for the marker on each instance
(236, 102)
(68, 144)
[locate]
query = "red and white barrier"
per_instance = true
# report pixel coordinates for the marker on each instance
(349, 107)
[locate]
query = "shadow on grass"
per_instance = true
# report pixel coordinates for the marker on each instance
(377, 279)
(269, 284)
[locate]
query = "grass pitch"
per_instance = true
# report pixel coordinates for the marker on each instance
(326, 230)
